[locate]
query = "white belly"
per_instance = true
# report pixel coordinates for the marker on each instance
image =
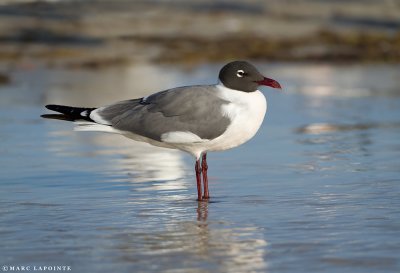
(246, 114)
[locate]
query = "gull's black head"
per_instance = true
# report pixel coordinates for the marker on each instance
(243, 76)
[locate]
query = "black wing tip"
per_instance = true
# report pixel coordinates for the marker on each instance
(68, 112)
(52, 107)
(57, 116)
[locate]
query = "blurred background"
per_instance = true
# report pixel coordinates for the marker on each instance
(316, 190)
(94, 34)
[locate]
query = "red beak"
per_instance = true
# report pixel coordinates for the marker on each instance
(269, 82)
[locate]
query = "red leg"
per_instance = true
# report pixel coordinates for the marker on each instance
(198, 180)
(204, 168)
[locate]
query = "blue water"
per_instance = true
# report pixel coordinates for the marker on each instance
(317, 189)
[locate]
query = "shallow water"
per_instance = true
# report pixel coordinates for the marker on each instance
(317, 189)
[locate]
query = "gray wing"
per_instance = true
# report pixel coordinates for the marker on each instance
(196, 109)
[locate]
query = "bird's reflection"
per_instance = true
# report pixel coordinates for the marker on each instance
(202, 212)
(186, 240)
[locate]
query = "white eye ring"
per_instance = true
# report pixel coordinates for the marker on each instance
(240, 73)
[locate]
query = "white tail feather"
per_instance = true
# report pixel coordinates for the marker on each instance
(95, 127)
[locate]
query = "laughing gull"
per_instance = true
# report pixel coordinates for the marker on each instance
(195, 119)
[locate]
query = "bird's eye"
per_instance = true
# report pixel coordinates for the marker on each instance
(240, 73)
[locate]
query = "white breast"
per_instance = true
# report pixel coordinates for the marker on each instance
(246, 112)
